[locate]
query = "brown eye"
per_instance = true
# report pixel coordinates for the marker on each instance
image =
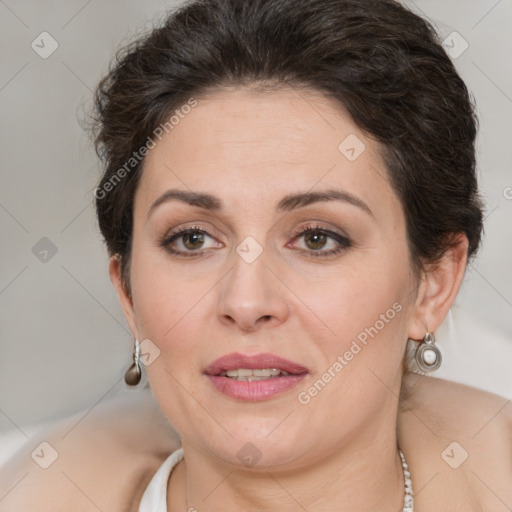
(190, 241)
(193, 240)
(315, 240)
(320, 242)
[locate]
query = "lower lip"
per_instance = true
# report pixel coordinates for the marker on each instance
(257, 389)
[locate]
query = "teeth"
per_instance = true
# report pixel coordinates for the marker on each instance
(239, 373)
(267, 372)
(256, 374)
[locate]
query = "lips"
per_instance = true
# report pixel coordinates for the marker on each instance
(236, 360)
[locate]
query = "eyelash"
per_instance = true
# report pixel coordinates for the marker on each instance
(342, 240)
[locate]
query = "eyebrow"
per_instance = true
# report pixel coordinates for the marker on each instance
(287, 204)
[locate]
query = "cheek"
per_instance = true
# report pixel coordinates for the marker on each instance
(165, 314)
(358, 294)
(360, 354)
(164, 298)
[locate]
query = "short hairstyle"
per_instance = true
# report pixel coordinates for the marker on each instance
(381, 62)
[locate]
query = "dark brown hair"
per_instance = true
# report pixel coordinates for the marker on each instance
(381, 62)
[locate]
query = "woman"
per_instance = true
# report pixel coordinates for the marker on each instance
(289, 197)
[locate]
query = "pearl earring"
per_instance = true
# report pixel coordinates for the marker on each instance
(428, 356)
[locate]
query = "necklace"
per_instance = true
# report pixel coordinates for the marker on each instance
(409, 495)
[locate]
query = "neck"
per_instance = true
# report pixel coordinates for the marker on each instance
(364, 474)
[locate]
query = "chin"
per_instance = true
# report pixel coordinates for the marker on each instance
(256, 449)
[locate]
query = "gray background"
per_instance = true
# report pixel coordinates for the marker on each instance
(64, 344)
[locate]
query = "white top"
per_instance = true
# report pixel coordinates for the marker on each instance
(154, 498)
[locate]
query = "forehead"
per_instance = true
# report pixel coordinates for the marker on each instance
(252, 146)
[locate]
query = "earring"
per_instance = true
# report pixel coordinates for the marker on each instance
(428, 356)
(133, 374)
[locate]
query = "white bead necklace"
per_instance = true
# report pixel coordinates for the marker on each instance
(409, 495)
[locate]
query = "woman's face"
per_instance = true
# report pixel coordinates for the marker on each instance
(337, 299)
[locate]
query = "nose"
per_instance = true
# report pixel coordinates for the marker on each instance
(252, 296)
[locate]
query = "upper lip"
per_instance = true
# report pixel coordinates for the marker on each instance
(236, 360)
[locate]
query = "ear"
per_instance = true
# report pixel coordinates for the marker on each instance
(123, 295)
(438, 289)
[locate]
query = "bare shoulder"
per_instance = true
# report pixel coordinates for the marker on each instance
(100, 459)
(460, 440)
